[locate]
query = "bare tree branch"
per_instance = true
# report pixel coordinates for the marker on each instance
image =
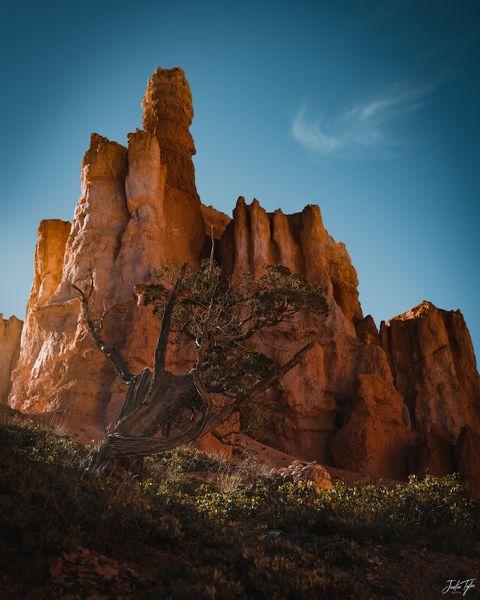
(110, 352)
(136, 393)
(260, 387)
(202, 390)
(162, 343)
(131, 446)
(201, 341)
(222, 438)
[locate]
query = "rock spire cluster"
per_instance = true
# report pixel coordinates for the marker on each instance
(405, 399)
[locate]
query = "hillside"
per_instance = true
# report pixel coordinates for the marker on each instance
(195, 526)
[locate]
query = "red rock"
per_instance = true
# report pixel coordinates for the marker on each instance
(168, 113)
(467, 453)
(138, 210)
(377, 404)
(433, 455)
(215, 221)
(302, 471)
(434, 368)
(300, 241)
(10, 332)
(366, 330)
(375, 438)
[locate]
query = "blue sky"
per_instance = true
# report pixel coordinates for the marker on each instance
(369, 109)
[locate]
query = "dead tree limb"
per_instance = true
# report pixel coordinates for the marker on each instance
(110, 352)
(162, 343)
(226, 412)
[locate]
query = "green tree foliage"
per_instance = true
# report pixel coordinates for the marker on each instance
(227, 323)
(220, 328)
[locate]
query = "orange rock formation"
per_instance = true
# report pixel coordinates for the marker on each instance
(10, 332)
(405, 400)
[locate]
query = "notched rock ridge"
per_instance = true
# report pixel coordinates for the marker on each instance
(385, 403)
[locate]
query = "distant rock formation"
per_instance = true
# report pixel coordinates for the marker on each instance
(389, 403)
(10, 332)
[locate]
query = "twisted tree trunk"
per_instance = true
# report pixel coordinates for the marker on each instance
(163, 410)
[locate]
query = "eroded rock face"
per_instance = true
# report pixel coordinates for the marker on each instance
(467, 453)
(375, 438)
(58, 371)
(138, 209)
(300, 241)
(10, 332)
(215, 221)
(434, 368)
(402, 400)
(167, 114)
(319, 390)
(42, 334)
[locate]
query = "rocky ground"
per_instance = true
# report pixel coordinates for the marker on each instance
(386, 572)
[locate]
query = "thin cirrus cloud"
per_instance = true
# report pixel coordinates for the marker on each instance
(365, 127)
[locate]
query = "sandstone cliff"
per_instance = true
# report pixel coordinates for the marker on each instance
(10, 332)
(389, 403)
(138, 209)
(434, 368)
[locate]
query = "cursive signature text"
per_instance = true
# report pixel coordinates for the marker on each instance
(457, 586)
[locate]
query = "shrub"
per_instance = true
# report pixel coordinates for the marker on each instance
(240, 535)
(46, 506)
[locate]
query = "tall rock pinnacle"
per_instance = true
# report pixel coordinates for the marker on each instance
(167, 114)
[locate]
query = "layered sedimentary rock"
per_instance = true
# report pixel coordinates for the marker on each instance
(402, 400)
(10, 332)
(42, 334)
(300, 242)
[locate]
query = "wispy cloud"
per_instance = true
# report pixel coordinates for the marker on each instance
(363, 127)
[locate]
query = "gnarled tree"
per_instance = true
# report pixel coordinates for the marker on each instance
(220, 328)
